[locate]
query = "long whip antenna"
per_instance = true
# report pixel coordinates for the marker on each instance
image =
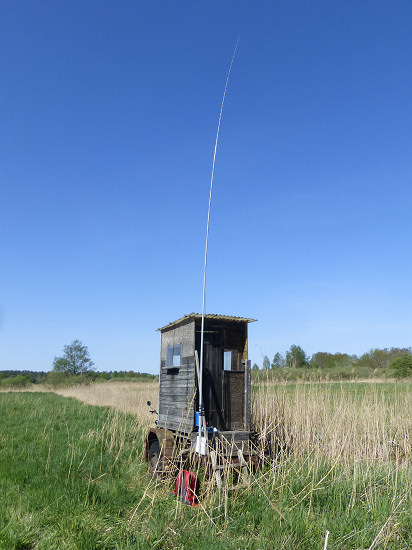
(202, 421)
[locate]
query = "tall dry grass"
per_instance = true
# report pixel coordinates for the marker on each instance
(128, 397)
(348, 422)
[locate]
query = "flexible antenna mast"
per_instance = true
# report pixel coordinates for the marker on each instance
(202, 421)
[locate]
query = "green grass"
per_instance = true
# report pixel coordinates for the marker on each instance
(72, 476)
(62, 474)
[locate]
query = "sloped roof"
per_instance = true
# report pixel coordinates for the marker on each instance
(209, 316)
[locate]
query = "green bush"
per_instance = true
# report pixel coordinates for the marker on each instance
(402, 366)
(58, 379)
(55, 379)
(18, 381)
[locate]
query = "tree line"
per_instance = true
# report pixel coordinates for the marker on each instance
(74, 366)
(15, 378)
(399, 359)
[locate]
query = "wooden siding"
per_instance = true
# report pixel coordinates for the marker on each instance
(183, 335)
(177, 385)
(226, 393)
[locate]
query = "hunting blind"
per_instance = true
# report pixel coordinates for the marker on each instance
(226, 385)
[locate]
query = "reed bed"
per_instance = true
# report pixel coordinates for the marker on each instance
(346, 422)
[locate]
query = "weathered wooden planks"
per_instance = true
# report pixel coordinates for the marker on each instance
(226, 393)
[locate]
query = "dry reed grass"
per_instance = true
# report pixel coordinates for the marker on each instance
(128, 397)
(332, 421)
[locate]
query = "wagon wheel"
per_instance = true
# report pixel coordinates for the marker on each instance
(155, 458)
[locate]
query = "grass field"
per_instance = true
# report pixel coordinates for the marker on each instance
(72, 475)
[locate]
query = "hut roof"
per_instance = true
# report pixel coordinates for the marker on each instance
(208, 316)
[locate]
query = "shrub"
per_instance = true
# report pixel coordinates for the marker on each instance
(18, 381)
(55, 379)
(402, 366)
(60, 379)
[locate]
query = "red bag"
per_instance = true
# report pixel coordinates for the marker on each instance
(186, 487)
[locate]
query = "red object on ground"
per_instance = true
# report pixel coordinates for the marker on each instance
(186, 487)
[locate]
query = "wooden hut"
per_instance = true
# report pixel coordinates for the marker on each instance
(226, 373)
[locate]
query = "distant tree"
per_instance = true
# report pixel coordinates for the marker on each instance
(255, 366)
(278, 361)
(381, 358)
(344, 360)
(325, 360)
(297, 358)
(322, 360)
(402, 366)
(75, 360)
(266, 363)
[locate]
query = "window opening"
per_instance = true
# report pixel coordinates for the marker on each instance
(227, 360)
(173, 356)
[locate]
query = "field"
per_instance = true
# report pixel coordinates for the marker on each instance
(72, 474)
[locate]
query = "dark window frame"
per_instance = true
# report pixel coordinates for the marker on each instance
(174, 356)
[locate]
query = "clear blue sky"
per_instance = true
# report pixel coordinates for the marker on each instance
(109, 112)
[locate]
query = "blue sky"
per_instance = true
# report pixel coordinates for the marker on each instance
(109, 113)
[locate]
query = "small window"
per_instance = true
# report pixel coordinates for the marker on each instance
(173, 356)
(227, 360)
(231, 359)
